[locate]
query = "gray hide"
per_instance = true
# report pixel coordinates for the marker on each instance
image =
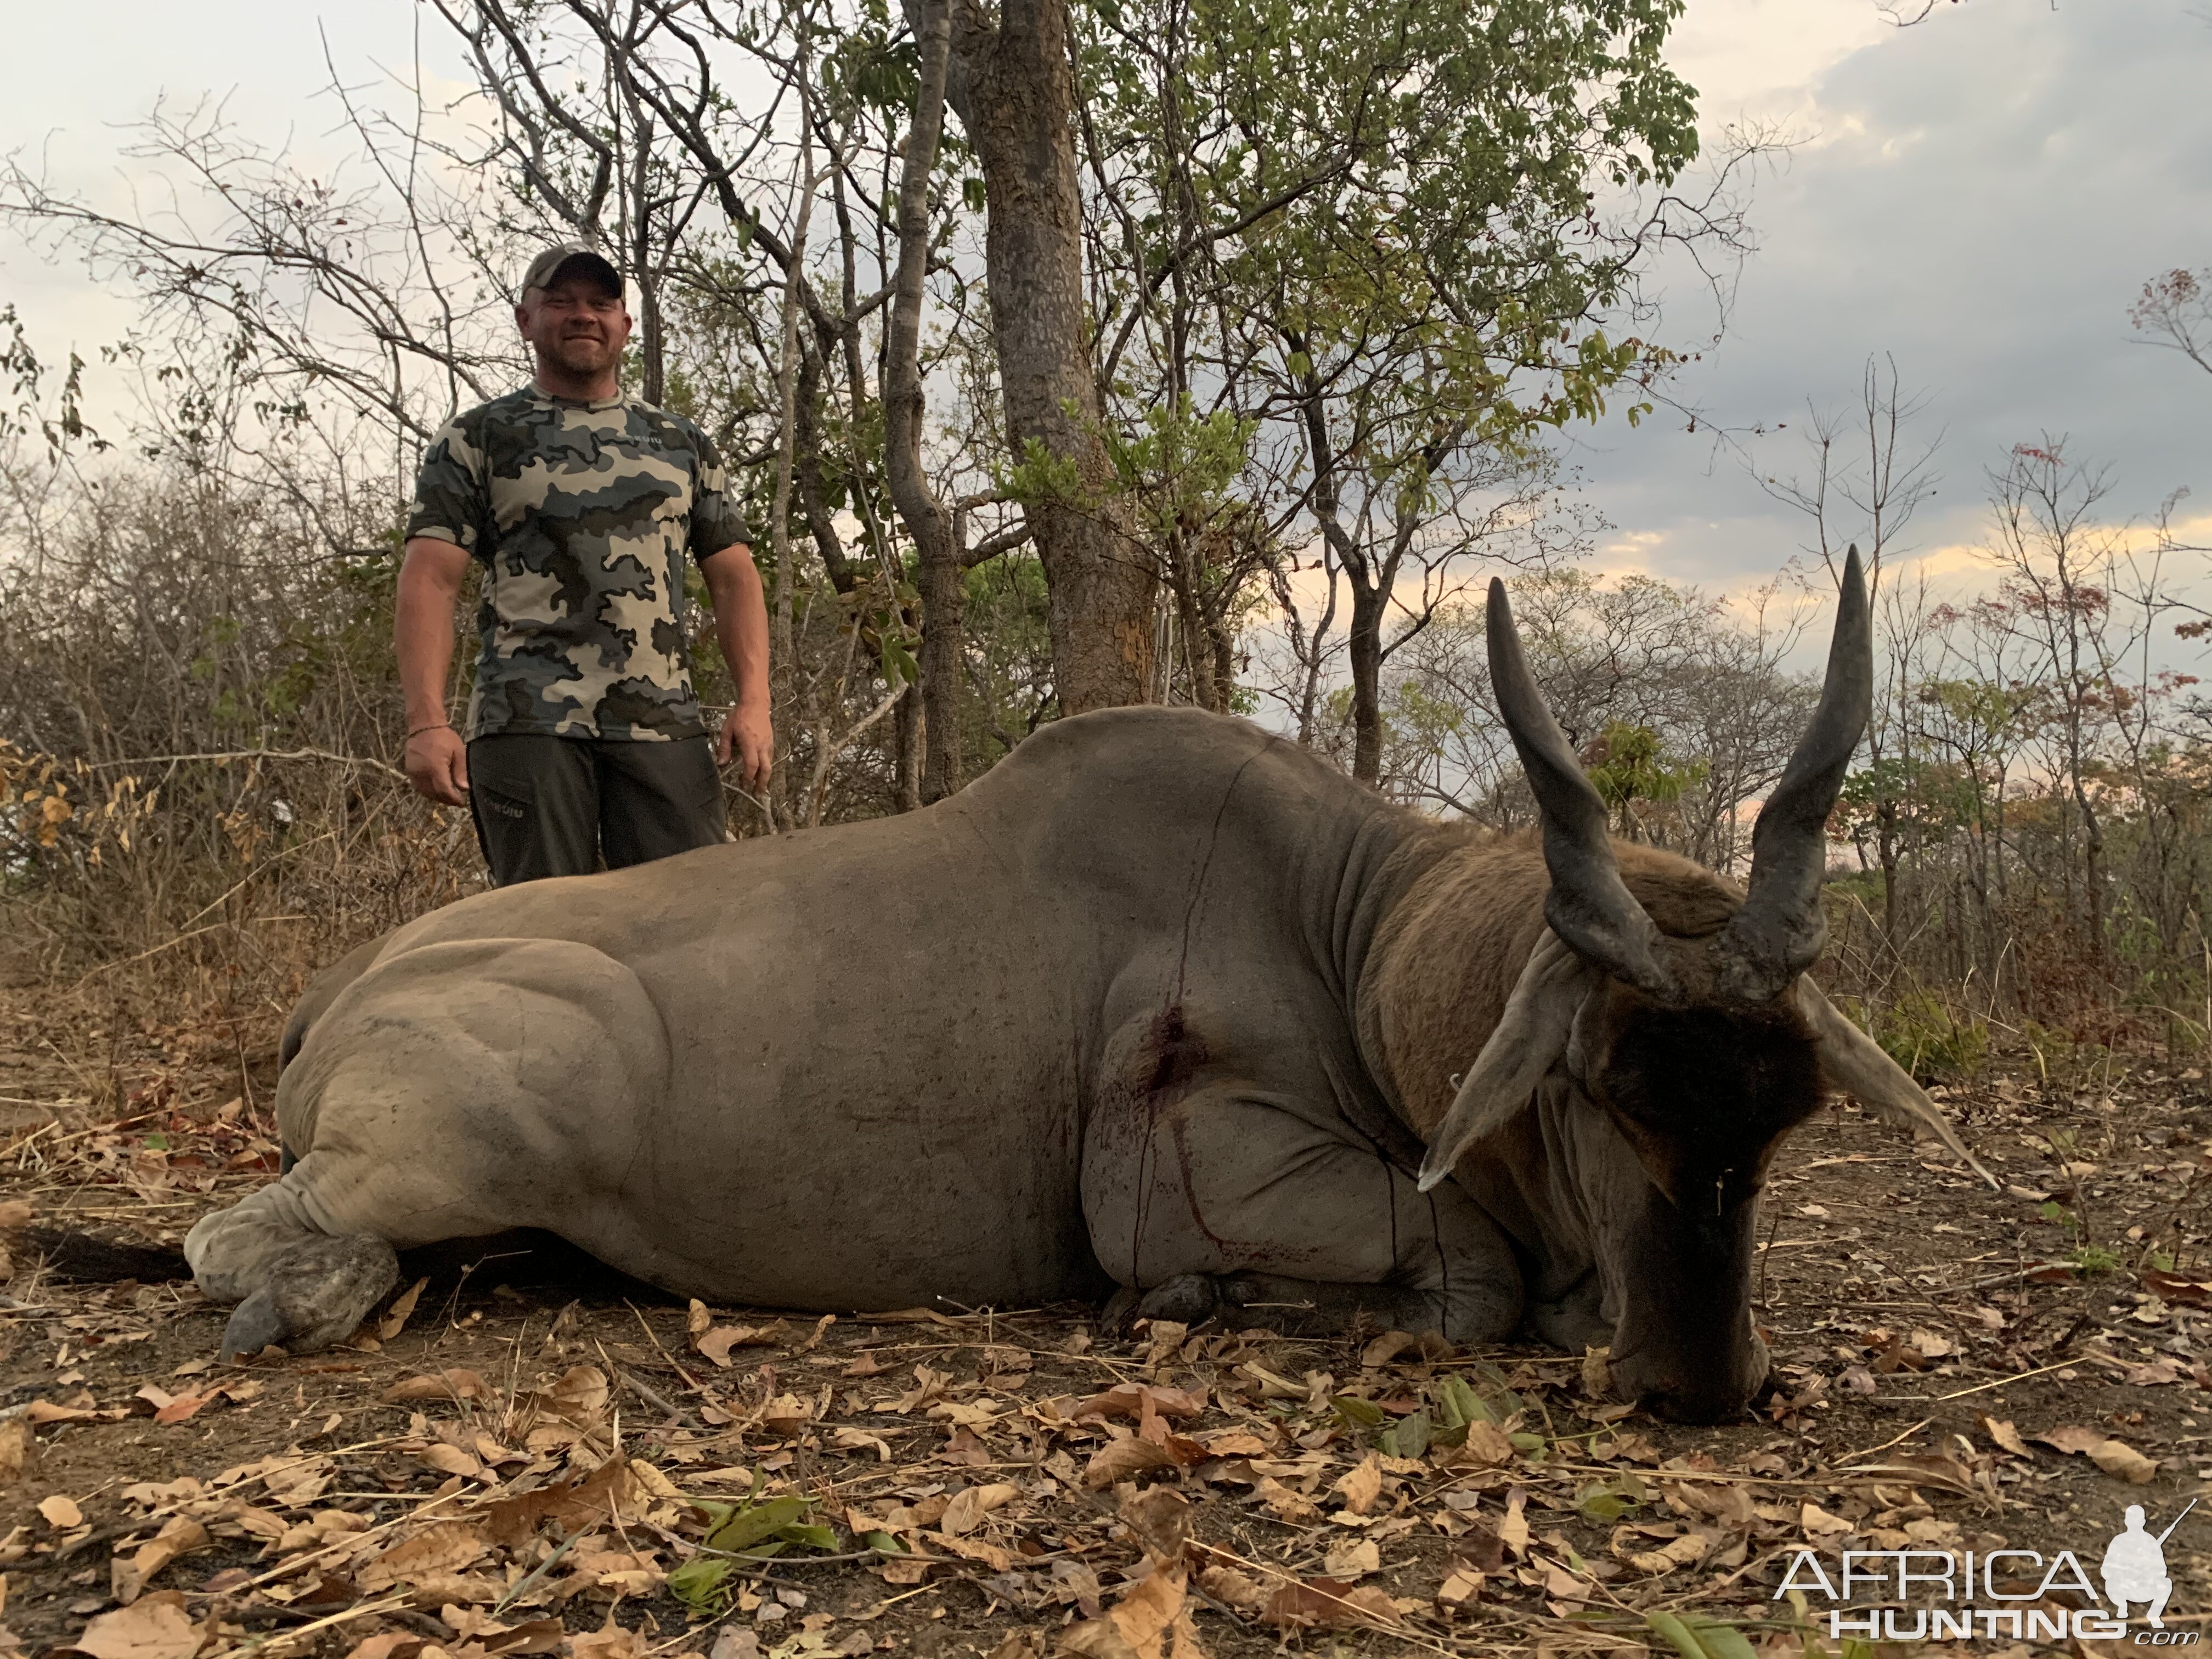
(1088, 1022)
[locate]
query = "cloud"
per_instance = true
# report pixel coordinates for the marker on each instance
(1981, 196)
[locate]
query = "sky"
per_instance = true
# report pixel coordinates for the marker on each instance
(1979, 198)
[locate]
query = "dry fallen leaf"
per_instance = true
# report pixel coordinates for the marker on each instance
(454, 1384)
(1817, 1524)
(2115, 1457)
(1152, 1622)
(1131, 1399)
(611, 1492)
(16, 1445)
(2174, 1287)
(1461, 1584)
(15, 1215)
(1332, 1605)
(1388, 1346)
(1513, 1525)
(153, 1627)
(1920, 1469)
(2006, 1437)
(717, 1342)
(1363, 1486)
(968, 1508)
(612, 1643)
(1597, 1373)
(395, 1316)
(180, 1535)
(1159, 1519)
(452, 1460)
(1487, 1446)
(43, 1412)
(184, 1406)
(2118, 1458)
(61, 1512)
(444, 1548)
(1285, 1504)
(1687, 1551)
(1352, 1561)
(1118, 1460)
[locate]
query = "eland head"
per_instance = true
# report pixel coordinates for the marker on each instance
(1675, 1066)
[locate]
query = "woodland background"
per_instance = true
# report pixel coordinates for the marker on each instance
(1090, 352)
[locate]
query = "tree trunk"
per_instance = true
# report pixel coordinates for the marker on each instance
(1014, 90)
(1886, 840)
(907, 739)
(941, 640)
(1363, 646)
(1223, 646)
(928, 717)
(1191, 640)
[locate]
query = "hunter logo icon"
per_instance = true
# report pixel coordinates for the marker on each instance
(2134, 1567)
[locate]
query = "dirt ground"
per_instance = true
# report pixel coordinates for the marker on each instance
(540, 1458)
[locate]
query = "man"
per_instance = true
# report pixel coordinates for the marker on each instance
(581, 503)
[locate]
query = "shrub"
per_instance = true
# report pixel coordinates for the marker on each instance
(1922, 1034)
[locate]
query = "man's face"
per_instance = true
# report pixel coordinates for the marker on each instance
(575, 323)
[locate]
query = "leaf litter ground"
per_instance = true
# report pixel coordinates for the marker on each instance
(524, 1456)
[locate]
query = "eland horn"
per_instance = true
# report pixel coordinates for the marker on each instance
(1779, 930)
(1589, 906)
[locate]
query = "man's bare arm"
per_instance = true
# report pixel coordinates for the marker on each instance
(422, 634)
(741, 625)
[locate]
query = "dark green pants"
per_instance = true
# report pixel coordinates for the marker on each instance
(550, 806)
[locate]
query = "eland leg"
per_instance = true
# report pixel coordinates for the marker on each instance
(452, 1091)
(1217, 1200)
(296, 1286)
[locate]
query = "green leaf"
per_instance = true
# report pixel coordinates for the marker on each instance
(1461, 1406)
(1720, 1641)
(1694, 1638)
(749, 1526)
(1410, 1438)
(1676, 1635)
(814, 1537)
(1356, 1413)
(702, 1583)
(882, 1543)
(899, 666)
(1604, 1502)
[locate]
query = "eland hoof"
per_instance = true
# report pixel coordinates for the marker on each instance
(314, 1294)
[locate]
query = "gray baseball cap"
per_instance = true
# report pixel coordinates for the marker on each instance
(585, 259)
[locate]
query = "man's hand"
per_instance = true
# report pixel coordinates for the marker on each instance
(438, 765)
(422, 634)
(741, 626)
(746, 735)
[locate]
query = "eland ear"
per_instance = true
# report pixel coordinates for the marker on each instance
(1531, 1035)
(1856, 1064)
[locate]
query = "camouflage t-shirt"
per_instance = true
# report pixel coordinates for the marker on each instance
(581, 514)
